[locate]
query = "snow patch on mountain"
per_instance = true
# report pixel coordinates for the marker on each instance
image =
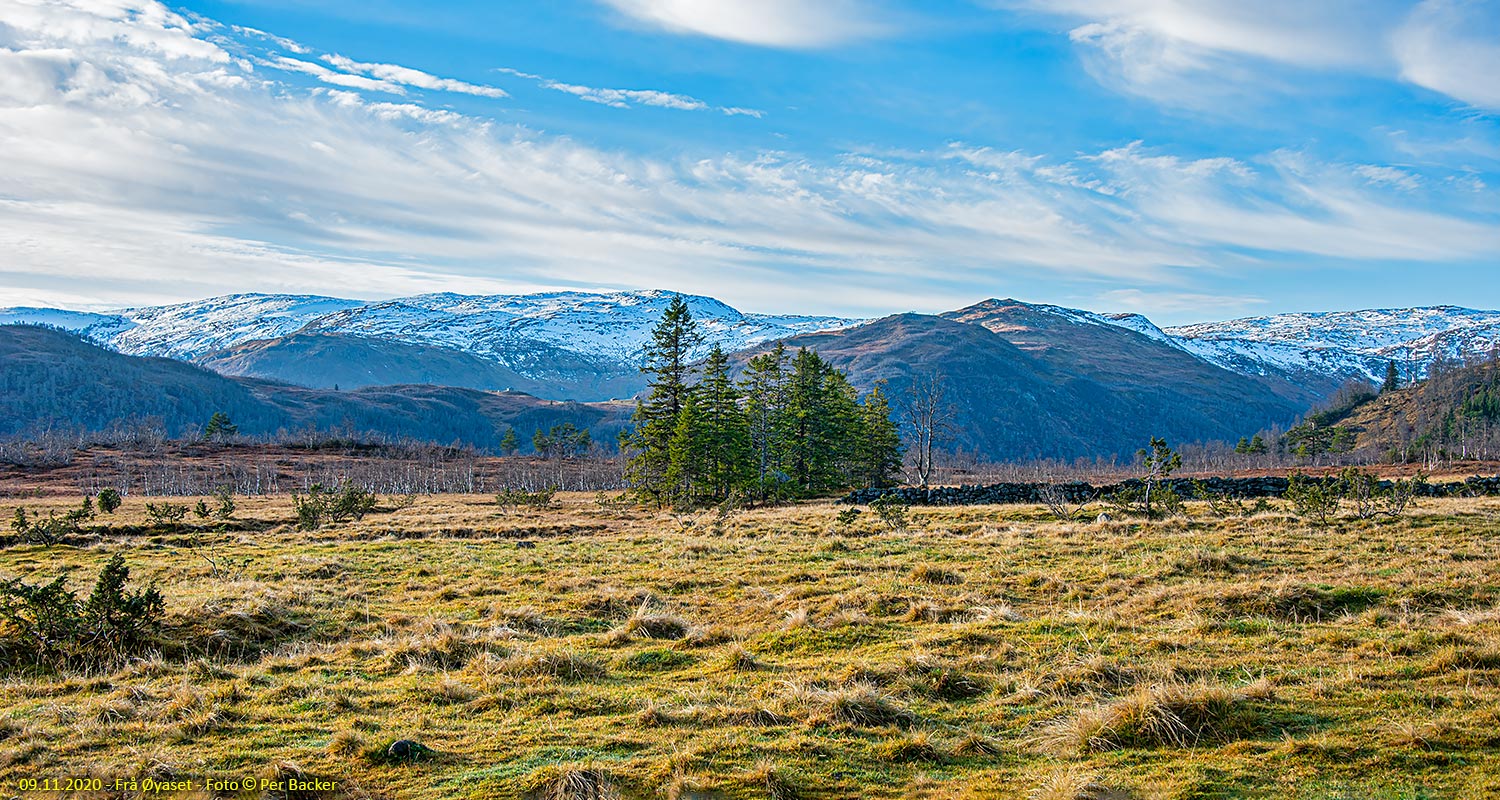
(1355, 344)
(520, 331)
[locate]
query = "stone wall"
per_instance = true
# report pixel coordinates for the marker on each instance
(1007, 493)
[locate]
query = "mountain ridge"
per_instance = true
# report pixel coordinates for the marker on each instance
(587, 346)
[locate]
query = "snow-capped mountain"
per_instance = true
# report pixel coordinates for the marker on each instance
(571, 337)
(186, 331)
(589, 346)
(1344, 344)
(609, 327)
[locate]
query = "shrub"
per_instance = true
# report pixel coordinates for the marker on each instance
(322, 505)
(1312, 499)
(166, 514)
(891, 509)
(48, 625)
(51, 529)
(1372, 497)
(109, 500)
(224, 503)
(511, 499)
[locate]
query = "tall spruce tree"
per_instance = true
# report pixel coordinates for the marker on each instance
(688, 454)
(878, 446)
(668, 362)
(765, 384)
(822, 419)
(1392, 378)
(726, 429)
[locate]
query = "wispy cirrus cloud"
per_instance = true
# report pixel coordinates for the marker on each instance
(768, 23)
(625, 98)
(152, 164)
(1453, 47)
(1191, 52)
(406, 76)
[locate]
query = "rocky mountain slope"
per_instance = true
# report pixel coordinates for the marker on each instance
(1029, 382)
(1455, 413)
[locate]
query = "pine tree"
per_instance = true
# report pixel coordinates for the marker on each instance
(668, 361)
(510, 442)
(726, 428)
(1243, 446)
(765, 385)
(879, 442)
(689, 453)
(1392, 378)
(542, 443)
(1258, 445)
(219, 427)
(822, 417)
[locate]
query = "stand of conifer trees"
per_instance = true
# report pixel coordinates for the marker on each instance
(792, 426)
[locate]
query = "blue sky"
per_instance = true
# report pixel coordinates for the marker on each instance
(1186, 160)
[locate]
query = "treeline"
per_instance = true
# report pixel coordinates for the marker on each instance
(792, 426)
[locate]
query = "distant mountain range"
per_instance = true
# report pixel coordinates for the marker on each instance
(54, 380)
(1027, 380)
(561, 345)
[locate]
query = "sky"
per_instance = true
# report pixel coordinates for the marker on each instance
(1189, 160)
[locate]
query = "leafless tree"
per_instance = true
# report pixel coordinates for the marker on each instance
(930, 418)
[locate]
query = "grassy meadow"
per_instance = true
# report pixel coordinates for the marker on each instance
(592, 650)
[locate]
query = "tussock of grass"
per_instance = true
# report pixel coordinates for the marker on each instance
(861, 705)
(247, 626)
(1207, 561)
(648, 624)
(774, 781)
(739, 659)
(561, 664)
(1168, 715)
(572, 784)
(941, 679)
(1454, 658)
(927, 573)
(1094, 674)
(437, 645)
(973, 745)
(525, 619)
(1299, 602)
(1074, 784)
(928, 611)
(346, 744)
(918, 747)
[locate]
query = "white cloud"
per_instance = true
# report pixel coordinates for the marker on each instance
(769, 23)
(133, 171)
(1198, 52)
(394, 73)
(1157, 304)
(327, 75)
(625, 98)
(1453, 47)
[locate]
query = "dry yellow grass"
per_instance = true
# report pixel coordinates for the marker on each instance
(987, 652)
